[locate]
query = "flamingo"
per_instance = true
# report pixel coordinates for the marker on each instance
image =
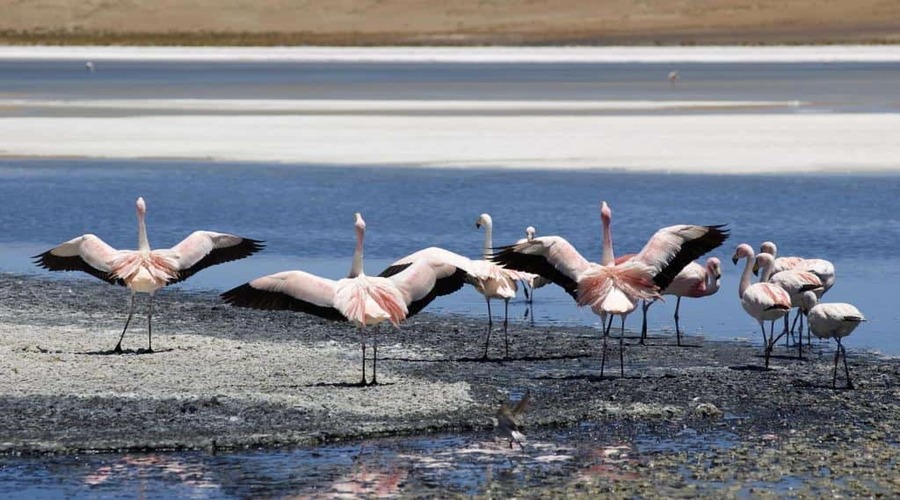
(145, 270)
(499, 283)
(674, 76)
(763, 301)
(531, 281)
(795, 283)
(822, 268)
(833, 320)
(610, 289)
(693, 281)
(489, 279)
(360, 299)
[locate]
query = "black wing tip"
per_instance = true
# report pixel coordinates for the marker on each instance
(393, 269)
(237, 294)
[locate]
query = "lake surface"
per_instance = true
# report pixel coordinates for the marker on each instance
(828, 87)
(305, 214)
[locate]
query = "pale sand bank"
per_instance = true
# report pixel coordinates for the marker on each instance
(701, 143)
(388, 106)
(574, 54)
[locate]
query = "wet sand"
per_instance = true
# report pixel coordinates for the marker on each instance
(223, 378)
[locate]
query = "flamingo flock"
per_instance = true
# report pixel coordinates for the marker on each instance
(612, 287)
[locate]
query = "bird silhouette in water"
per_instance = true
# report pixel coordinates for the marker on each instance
(508, 420)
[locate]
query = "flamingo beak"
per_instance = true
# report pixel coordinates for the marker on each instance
(477, 225)
(755, 269)
(734, 260)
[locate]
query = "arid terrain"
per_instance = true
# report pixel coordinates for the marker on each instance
(461, 22)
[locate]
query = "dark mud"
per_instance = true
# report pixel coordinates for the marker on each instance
(224, 378)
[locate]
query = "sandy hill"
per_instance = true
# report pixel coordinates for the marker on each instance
(454, 22)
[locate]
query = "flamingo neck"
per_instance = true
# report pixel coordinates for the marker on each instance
(712, 282)
(609, 257)
(766, 273)
(487, 250)
(143, 242)
(356, 268)
(745, 277)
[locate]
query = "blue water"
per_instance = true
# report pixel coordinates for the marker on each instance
(305, 214)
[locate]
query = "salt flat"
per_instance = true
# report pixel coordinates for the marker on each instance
(786, 54)
(698, 143)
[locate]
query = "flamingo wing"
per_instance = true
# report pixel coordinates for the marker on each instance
(433, 255)
(288, 290)
(549, 256)
(86, 253)
(206, 248)
(674, 247)
(423, 281)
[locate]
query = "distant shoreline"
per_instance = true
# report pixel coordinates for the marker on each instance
(458, 23)
(434, 54)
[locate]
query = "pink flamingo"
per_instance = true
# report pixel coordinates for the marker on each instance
(360, 299)
(795, 282)
(145, 270)
(822, 268)
(609, 289)
(834, 320)
(694, 281)
(489, 279)
(763, 301)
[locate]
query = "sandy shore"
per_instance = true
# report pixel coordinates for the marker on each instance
(463, 22)
(715, 143)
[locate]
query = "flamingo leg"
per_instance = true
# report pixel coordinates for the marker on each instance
(786, 331)
(766, 344)
(362, 337)
(505, 325)
(837, 352)
(677, 326)
(846, 368)
(487, 341)
(605, 328)
(622, 349)
(645, 305)
(374, 357)
(118, 348)
(150, 325)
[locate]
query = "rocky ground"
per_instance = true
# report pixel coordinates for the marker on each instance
(225, 378)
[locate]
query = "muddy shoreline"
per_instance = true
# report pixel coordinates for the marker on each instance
(222, 378)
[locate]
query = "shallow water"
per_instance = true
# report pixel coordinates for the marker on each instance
(305, 215)
(466, 465)
(831, 87)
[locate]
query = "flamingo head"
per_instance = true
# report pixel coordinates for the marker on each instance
(714, 266)
(808, 300)
(529, 233)
(763, 261)
(360, 223)
(141, 206)
(742, 250)
(605, 213)
(483, 220)
(768, 247)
